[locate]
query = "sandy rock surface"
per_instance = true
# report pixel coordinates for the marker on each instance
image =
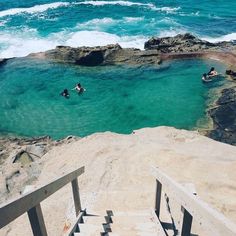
(118, 173)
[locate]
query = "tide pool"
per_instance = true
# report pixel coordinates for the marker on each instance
(117, 98)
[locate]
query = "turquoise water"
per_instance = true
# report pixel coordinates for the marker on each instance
(36, 25)
(117, 98)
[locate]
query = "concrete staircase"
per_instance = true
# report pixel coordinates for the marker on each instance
(139, 223)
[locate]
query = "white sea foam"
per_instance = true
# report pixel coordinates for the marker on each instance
(97, 38)
(34, 9)
(128, 3)
(94, 23)
(99, 24)
(172, 32)
(22, 44)
(121, 3)
(167, 10)
(228, 37)
(133, 19)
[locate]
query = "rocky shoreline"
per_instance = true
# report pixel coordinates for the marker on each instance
(158, 50)
(21, 159)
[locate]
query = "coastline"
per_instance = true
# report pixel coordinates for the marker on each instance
(158, 50)
(27, 162)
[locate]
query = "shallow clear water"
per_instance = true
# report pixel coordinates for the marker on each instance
(117, 98)
(36, 25)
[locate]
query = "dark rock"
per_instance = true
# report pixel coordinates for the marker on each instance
(228, 95)
(183, 43)
(231, 73)
(3, 61)
(86, 56)
(224, 117)
(94, 56)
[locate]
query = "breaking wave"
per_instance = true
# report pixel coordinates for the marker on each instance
(34, 9)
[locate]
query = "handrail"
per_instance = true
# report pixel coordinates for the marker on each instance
(30, 202)
(193, 207)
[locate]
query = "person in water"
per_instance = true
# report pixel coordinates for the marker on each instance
(206, 78)
(212, 72)
(79, 88)
(65, 93)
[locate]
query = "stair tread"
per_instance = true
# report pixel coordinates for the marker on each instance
(94, 219)
(91, 229)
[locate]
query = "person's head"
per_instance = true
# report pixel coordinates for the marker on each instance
(212, 69)
(65, 90)
(79, 85)
(204, 75)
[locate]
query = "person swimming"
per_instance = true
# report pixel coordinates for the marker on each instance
(65, 93)
(79, 88)
(212, 72)
(206, 78)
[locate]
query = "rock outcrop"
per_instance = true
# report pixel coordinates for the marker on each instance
(157, 49)
(94, 56)
(3, 61)
(224, 117)
(184, 43)
(21, 160)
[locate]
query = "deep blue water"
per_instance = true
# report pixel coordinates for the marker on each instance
(28, 25)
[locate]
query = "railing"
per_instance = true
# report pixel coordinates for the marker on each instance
(30, 203)
(192, 207)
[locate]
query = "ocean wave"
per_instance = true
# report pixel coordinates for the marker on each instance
(128, 3)
(227, 37)
(98, 38)
(133, 19)
(45, 7)
(171, 32)
(96, 22)
(34, 9)
(100, 23)
(168, 10)
(22, 44)
(121, 3)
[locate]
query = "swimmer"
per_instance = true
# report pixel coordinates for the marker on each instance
(79, 88)
(65, 93)
(212, 72)
(206, 78)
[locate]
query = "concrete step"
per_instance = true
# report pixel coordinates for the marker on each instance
(94, 219)
(140, 224)
(89, 230)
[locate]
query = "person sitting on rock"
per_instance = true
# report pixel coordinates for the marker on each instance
(65, 93)
(79, 88)
(212, 72)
